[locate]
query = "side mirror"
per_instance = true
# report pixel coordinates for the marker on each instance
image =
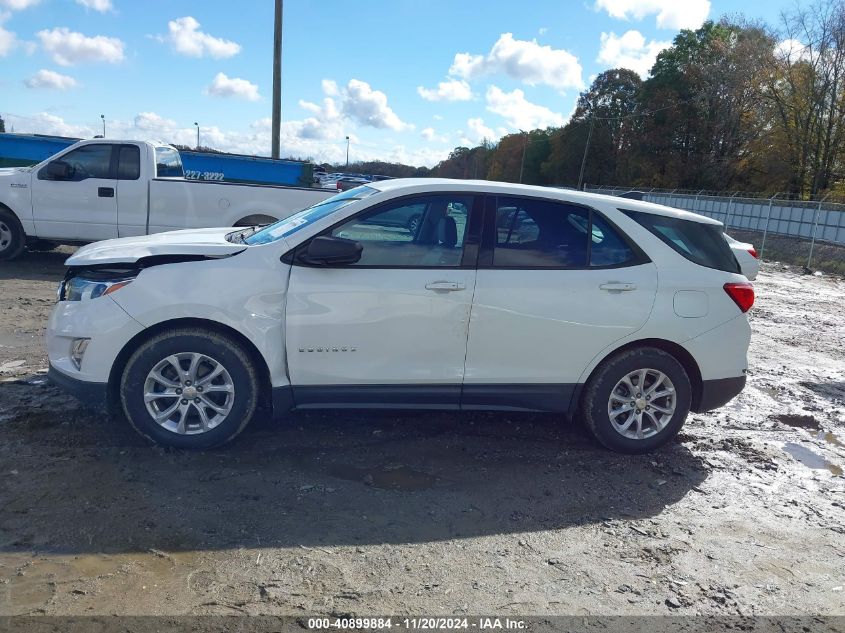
(58, 170)
(327, 251)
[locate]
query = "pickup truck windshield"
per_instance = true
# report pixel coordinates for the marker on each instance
(308, 216)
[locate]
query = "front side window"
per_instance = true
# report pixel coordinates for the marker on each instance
(88, 161)
(168, 163)
(418, 232)
(129, 163)
(698, 242)
(536, 233)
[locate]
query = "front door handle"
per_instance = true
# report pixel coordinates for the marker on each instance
(105, 192)
(448, 286)
(618, 286)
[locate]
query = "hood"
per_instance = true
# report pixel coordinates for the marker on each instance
(127, 250)
(16, 174)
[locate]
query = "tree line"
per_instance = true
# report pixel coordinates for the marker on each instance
(733, 105)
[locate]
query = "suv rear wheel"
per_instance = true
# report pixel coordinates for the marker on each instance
(189, 389)
(637, 400)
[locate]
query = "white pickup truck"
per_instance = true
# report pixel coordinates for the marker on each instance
(96, 190)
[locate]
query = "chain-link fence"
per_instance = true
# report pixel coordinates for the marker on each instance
(812, 220)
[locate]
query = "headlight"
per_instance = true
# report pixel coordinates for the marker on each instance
(92, 286)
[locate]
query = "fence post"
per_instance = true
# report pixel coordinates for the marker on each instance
(728, 212)
(815, 228)
(766, 228)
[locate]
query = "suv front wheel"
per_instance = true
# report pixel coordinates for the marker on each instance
(637, 400)
(189, 389)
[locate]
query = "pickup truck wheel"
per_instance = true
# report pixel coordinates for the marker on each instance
(12, 236)
(189, 389)
(637, 400)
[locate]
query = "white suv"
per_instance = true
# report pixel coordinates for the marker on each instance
(499, 297)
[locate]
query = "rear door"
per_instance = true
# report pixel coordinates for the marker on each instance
(392, 328)
(557, 283)
(82, 206)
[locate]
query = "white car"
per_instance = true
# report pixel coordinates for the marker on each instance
(98, 189)
(502, 297)
(747, 257)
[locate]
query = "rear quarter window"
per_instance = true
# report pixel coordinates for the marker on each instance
(700, 243)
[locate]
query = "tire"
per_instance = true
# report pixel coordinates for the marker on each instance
(234, 390)
(12, 236)
(657, 428)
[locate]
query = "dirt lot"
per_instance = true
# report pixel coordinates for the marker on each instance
(432, 513)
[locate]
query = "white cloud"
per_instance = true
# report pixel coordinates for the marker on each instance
(369, 107)
(326, 122)
(671, 14)
(430, 135)
(51, 80)
(520, 113)
(18, 5)
(8, 40)
(186, 38)
(478, 132)
(792, 51)
(450, 90)
(152, 122)
(68, 48)
(224, 86)
(630, 50)
(97, 5)
(525, 61)
(330, 87)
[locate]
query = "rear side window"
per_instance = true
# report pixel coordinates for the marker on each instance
(536, 233)
(700, 243)
(168, 163)
(129, 163)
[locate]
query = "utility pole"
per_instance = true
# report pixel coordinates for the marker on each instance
(277, 80)
(524, 147)
(586, 151)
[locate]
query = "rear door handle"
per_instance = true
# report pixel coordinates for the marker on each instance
(618, 286)
(449, 286)
(105, 192)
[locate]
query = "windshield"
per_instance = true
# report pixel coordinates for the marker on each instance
(306, 217)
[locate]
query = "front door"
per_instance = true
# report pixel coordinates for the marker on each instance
(557, 284)
(392, 328)
(81, 206)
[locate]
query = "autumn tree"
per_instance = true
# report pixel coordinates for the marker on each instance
(806, 87)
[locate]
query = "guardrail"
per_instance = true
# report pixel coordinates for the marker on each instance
(816, 220)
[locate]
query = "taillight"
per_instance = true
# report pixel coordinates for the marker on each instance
(742, 294)
(753, 252)
(338, 185)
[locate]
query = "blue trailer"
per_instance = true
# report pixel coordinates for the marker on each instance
(20, 150)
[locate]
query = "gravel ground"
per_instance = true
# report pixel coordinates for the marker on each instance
(427, 513)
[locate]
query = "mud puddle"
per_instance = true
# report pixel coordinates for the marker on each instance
(811, 459)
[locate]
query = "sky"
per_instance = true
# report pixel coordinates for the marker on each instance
(406, 80)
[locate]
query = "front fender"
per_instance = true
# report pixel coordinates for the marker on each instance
(245, 292)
